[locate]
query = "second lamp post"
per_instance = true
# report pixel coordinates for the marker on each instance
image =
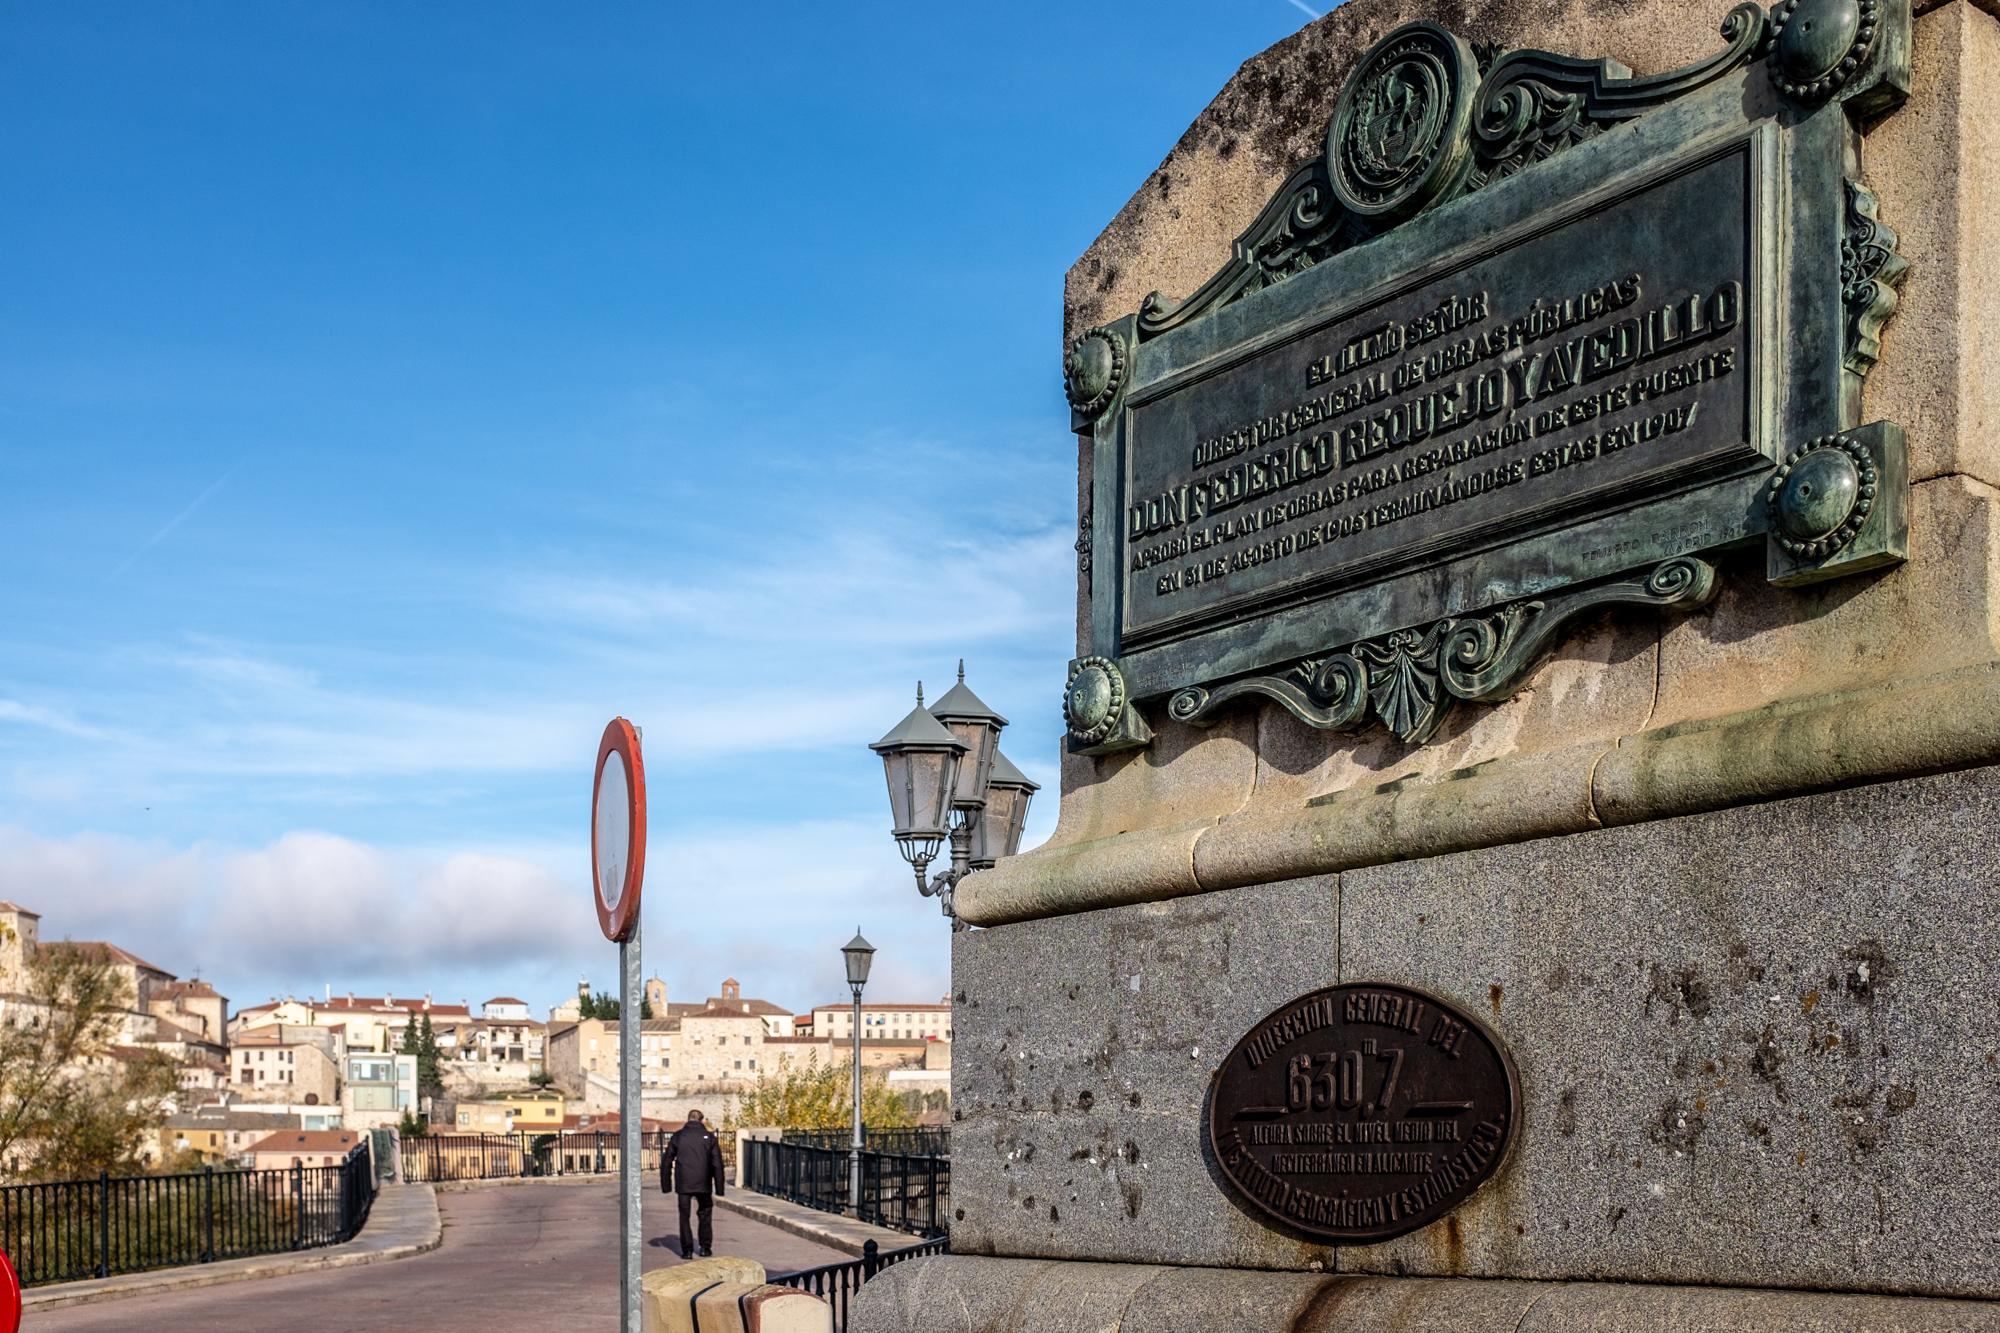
(859, 953)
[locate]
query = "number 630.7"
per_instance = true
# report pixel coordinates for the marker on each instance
(1335, 1079)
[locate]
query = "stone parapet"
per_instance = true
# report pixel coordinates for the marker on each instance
(1756, 1046)
(953, 1294)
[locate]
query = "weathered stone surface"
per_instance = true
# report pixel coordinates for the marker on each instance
(956, 1294)
(1758, 644)
(1597, 1307)
(1532, 795)
(1218, 1300)
(947, 1294)
(1913, 729)
(1933, 165)
(1085, 1045)
(1756, 1046)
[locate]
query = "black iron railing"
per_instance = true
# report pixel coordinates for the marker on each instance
(898, 1190)
(906, 1193)
(836, 1283)
(71, 1229)
(916, 1142)
(530, 1152)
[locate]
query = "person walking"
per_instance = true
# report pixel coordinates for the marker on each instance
(691, 1169)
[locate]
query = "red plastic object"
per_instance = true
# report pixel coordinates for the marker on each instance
(10, 1297)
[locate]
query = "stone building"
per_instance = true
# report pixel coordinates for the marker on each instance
(287, 1064)
(890, 1022)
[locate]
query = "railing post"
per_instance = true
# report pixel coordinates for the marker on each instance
(104, 1224)
(298, 1207)
(871, 1260)
(207, 1213)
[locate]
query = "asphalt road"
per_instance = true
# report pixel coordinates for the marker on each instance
(525, 1256)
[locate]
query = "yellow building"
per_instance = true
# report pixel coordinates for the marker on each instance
(520, 1110)
(536, 1110)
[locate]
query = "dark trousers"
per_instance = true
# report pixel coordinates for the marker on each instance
(705, 1205)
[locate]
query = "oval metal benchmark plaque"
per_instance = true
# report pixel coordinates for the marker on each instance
(1362, 1111)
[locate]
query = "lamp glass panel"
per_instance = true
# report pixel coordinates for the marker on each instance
(1017, 819)
(982, 742)
(989, 831)
(898, 768)
(935, 772)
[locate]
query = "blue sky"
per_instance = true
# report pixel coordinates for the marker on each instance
(391, 394)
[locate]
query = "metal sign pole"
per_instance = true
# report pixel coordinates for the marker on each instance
(629, 1111)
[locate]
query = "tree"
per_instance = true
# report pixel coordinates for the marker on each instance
(820, 1096)
(430, 1079)
(645, 1008)
(72, 1101)
(413, 1126)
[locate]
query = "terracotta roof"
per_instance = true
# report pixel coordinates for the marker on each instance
(6, 906)
(757, 1007)
(103, 951)
(363, 1003)
(181, 989)
(133, 1055)
(308, 1140)
(505, 999)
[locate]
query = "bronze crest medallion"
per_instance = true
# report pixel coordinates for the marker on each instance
(1400, 136)
(1363, 1111)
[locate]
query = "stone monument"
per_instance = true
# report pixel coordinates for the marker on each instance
(1529, 806)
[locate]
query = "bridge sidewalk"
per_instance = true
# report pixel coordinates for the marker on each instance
(403, 1221)
(845, 1234)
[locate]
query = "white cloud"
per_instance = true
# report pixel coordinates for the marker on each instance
(49, 719)
(770, 905)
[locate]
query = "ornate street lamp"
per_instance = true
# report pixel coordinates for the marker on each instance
(922, 760)
(858, 953)
(998, 832)
(946, 762)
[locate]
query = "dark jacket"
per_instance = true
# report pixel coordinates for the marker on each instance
(692, 1163)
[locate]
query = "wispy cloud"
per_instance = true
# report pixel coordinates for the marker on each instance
(174, 522)
(13, 710)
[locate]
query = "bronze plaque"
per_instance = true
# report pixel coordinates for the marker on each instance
(1362, 1111)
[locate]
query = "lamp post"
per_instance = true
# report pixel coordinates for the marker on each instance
(858, 953)
(948, 779)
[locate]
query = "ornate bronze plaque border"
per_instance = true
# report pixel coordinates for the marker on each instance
(1491, 138)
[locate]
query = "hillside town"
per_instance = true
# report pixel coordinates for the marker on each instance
(299, 1081)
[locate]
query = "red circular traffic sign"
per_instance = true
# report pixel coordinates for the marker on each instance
(618, 829)
(10, 1297)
